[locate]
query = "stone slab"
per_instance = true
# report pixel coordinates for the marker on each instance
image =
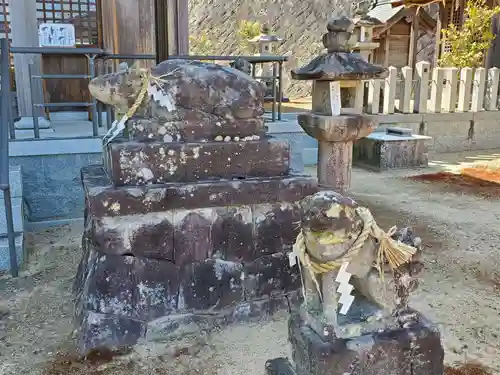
(96, 330)
(146, 289)
(379, 154)
(236, 233)
(103, 199)
(415, 350)
(117, 296)
(137, 163)
(5, 252)
(195, 127)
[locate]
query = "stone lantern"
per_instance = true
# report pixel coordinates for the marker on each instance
(364, 25)
(336, 131)
(265, 42)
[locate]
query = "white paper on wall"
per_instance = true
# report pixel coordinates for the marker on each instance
(56, 35)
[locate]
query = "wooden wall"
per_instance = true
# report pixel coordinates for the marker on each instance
(84, 14)
(67, 90)
(128, 27)
(394, 46)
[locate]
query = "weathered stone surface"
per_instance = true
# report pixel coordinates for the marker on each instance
(343, 128)
(269, 275)
(149, 235)
(146, 289)
(234, 233)
(120, 298)
(212, 284)
(415, 350)
(195, 127)
(96, 330)
(190, 89)
(127, 286)
(192, 234)
(105, 200)
(157, 162)
(276, 226)
(381, 152)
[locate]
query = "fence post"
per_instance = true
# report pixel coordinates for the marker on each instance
(464, 92)
(450, 90)
(4, 153)
(422, 71)
(405, 100)
(359, 96)
(492, 93)
(374, 96)
(478, 90)
(390, 90)
(436, 90)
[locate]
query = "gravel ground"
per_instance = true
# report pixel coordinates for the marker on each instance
(461, 292)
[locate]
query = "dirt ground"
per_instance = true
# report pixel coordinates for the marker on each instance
(461, 290)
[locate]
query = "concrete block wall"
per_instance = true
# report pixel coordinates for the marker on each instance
(51, 176)
(18, 213)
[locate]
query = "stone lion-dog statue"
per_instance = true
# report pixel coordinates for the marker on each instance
(335, 231)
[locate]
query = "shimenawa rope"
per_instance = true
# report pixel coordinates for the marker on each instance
(394, 252)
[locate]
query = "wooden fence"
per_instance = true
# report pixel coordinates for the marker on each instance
(440, 90)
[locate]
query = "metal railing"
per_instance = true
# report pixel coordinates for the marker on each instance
(96, 56)
(6, 120)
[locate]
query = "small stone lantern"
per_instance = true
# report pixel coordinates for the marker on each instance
(364, 25)
(266, 42)
(336, 132)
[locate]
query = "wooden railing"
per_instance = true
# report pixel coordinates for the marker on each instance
(440, 90)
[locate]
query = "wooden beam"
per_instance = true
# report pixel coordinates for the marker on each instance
(412, 54)
(24, 26)
(387, 46)
(172, 37)
(128, 27)
(439, 28)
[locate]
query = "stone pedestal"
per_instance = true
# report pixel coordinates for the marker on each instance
(195, 228)
(391, 149)
(414, 350)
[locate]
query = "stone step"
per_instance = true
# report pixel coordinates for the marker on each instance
(17, 213)
(16, 182)
(103, 199)
(194, 129)
(137, 163)
(5, 254)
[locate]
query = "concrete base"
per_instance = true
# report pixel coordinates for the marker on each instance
(27, 123)
(380, 151)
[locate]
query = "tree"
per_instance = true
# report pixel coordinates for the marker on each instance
(248, 30)
(469, 42)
